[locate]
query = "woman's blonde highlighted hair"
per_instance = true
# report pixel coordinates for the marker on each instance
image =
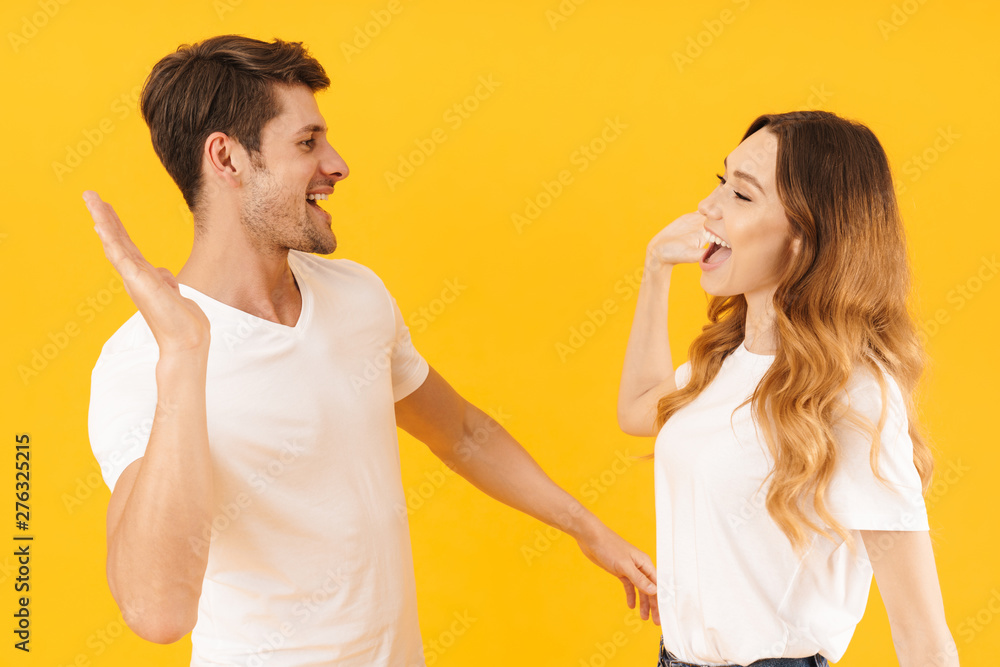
(840, 306)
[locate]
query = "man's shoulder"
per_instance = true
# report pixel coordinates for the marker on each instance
(132, 348)
(133, 335)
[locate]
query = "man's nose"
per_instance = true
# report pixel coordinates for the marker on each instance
(334, 165)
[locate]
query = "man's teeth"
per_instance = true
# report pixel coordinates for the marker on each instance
(317, 196)
(709, 237)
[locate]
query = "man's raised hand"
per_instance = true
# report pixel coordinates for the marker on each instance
(177, 323)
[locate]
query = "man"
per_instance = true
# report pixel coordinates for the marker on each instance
(251, 451)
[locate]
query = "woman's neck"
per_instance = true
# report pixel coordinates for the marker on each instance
(759, 331)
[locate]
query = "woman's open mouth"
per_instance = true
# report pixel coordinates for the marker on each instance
(718, 251)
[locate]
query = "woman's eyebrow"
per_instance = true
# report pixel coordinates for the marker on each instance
(749, 178)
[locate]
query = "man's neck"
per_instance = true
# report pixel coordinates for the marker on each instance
(235, 272)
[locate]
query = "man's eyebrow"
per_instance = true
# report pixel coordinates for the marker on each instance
(745, 176)
(312, 128)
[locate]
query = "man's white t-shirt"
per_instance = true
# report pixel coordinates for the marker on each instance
(732, 589)
(310, 560)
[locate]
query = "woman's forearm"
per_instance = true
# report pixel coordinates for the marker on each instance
(648, 371)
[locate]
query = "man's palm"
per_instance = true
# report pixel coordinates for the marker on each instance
(177, 323)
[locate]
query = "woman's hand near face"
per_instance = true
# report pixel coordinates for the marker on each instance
(680, 242)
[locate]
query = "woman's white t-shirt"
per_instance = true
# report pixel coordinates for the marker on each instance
(732, 589)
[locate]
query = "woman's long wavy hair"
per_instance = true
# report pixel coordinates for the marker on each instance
(840, 305)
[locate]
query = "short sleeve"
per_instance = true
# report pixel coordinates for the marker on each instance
(855, 497)
(682, 375)
(409, 369)
(122, 405)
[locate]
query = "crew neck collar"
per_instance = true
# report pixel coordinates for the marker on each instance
(746, 351)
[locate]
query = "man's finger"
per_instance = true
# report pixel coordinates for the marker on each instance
(118, 245)
(629, 592)
(645, 565)
(107, 223)
(91, 198)
(99, 211)
(641, 581)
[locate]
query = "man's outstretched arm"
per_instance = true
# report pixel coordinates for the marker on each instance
(161, 506)
(475, 446)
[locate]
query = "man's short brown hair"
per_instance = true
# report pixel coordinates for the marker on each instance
(222, 84)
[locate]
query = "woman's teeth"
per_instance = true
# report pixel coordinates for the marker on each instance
(709, 237)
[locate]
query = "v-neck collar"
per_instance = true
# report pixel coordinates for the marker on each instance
(305, 314)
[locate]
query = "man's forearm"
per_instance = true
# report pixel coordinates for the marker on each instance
(493, 461)
(927, 651)
(158, 550)
(479, 449)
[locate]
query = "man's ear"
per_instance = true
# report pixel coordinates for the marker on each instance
(224, 159)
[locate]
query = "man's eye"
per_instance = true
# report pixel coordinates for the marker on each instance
(309, 142)
(722, 181)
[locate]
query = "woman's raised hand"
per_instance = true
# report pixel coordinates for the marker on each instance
(680, 242)
(177, 323)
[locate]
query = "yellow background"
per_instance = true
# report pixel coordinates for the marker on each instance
(921, 74)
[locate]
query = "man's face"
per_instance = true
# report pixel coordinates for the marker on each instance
(296, 161)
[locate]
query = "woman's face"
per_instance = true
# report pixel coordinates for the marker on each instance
(745, 212)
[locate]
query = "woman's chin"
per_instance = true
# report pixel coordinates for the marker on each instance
(711, 286)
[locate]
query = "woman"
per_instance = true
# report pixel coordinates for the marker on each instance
(788, 463)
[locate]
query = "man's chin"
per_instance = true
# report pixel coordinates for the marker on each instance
(319, 246)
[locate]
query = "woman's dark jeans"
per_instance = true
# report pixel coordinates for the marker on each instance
(668, 659)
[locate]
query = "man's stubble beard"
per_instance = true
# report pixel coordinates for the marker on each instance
(273, 224)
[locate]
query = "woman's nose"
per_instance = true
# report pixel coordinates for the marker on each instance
(708, 206)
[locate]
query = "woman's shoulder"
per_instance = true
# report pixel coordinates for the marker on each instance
(682, 374)
(867, 382)
(872, 393)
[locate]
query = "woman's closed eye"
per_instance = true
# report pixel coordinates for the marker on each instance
(722, 181)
